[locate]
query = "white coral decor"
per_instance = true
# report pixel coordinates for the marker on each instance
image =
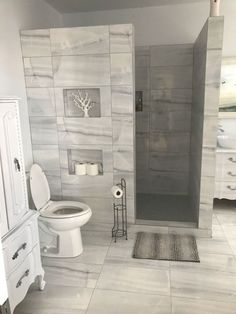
(83, 102)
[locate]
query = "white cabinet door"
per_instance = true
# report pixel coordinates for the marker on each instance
(12, 162)
(3, 212)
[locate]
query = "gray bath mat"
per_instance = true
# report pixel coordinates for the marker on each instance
(169, 247)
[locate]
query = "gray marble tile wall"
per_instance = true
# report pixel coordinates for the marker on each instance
(206, 87)
(82, 57)
(164, 75)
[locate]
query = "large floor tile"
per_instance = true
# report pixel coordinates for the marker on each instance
(134, 279)
(116, 302)
(196, 306)
(213, 246)
(204, 284)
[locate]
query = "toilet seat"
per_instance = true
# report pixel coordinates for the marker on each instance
(52, 209)
(74, 209)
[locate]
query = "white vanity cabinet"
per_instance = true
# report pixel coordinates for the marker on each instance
(225, 180)
(18, 224)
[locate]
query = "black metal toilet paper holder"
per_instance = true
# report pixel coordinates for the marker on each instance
(119, 229)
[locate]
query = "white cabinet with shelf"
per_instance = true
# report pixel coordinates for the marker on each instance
(18, 224)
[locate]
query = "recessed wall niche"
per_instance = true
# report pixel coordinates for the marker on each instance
(84, 156)
(82, 103)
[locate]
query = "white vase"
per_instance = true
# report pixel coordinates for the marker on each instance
(215, 8)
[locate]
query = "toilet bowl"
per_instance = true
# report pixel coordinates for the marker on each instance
(60, 218)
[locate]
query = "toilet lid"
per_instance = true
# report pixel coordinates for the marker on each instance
(39, 187)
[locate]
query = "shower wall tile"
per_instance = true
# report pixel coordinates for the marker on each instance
(94, 186)
(172, 96)
(38, 72)
(142, 142)
(215, 33)
(43, 130)
(169, 162)
(123, 132)
(169, 117)
(121, 38)
(79, 40)
(121, 69)
(142, 78)
(41, 102)
(171, 55)
(171, 77)
(47, 156)
(77, 131)
(122, 101)
(170, 142)
(35, 43)
(123, 158)
(84, 70)
(142, 121)
(105, 99)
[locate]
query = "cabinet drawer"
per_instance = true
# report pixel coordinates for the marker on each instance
(17, 248)
(227, 160)
(20, 280)
(225, 190)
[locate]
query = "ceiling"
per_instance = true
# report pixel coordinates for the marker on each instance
(69, 6)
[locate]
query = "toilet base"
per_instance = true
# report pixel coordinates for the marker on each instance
(69, 244)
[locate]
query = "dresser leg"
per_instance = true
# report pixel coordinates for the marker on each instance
(41, 282)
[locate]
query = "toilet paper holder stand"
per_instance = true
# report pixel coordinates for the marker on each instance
(120, 213)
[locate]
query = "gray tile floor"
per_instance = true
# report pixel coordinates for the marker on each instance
(106, 280)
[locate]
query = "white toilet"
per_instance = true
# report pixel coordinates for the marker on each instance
(63, 218)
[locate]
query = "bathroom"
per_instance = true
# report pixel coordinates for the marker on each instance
(104, 98)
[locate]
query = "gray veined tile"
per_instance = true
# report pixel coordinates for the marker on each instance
(47, 156)
(197, 306)
(123, 131)
(204, 284)
(122, 100)
(38, 72)
(54, 300)
(172, 55)
(123, 158)
(169, 162)
(215, 32)
(121, 38)
(103, 302)
(41, 102)
(83, 70)
(35, 43)
(43, 130)
(177, 142)
(142, 121)
(142, 78)
(76, 131)
(80, 40)
(171, 77)
(121, 69)
(70, 273)
(172, 96)
(142, 60)
(134, 279)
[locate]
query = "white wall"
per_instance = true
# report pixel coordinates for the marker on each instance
(16, 15)
(173, 24)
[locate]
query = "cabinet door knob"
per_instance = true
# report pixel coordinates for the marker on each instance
(231, 188)
(231, 174)
(22, 247)
(232, 159)
(26, 274)
(17, 164)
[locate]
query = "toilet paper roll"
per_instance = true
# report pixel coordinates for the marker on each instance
(80, 169)
(92, 169)
(116, 191)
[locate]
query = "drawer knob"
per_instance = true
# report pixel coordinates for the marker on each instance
(231, 188)
(22, 247)
(232, 159)
(26, 274)
(231, 174)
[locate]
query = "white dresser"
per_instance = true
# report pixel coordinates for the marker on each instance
(18, 224)
(225, 180)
